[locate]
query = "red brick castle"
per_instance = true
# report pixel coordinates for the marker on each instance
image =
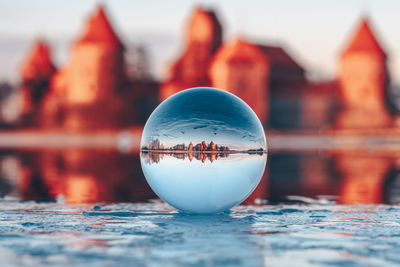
(93, 91)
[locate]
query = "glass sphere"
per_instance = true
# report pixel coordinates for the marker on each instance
(203, 150)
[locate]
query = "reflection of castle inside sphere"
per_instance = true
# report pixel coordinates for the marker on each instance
(203, 150)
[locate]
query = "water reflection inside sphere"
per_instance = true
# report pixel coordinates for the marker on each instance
(203, 150)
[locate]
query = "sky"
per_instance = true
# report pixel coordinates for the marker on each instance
(313, 31)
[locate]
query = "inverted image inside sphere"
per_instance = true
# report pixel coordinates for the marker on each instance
(203, 150)
(204, 114)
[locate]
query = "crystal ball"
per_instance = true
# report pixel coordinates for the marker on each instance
(203, 150)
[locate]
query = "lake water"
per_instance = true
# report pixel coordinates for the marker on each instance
(93, 207)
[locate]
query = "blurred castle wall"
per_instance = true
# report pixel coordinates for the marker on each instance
(318, 105)
(36, 73)
(276, 87)
(242, 69)
(364, 80)
(203, 37)
(286, 80)
(93, 90)
(96, 66)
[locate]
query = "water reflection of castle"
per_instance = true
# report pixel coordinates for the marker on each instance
(92, 176)
(156, 156)
(78, 175)
(155, 151)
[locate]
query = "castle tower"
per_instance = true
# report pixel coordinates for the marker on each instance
(85, 93)
(96, 68)
(363, 78)
(203, 37)
(242, 69)
(265, 77)
(38, 66)
(36, 73)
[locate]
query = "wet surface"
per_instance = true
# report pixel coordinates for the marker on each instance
(153, 234)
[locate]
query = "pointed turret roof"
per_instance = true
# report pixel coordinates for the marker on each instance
(38, 64)
(364, 40)
(99, 30)
(205, 26)
(239, 50)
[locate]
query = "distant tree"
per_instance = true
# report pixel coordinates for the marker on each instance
(154, 144)
(5, 90)
(9, 105)
(393, 98)
(137, 62)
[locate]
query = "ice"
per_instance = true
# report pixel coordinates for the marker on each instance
(154, 234)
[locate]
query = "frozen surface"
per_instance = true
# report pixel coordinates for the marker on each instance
(153, 234)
